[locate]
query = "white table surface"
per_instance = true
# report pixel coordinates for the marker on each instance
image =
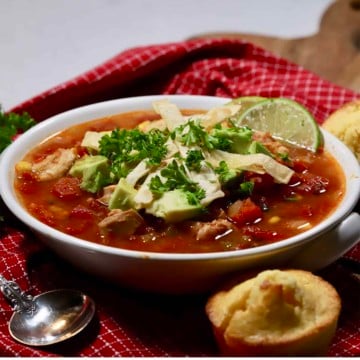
(46, 42)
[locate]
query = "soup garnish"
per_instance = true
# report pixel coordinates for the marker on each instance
(177, 181)
(11, 124)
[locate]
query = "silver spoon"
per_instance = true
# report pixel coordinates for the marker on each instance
(47, 318)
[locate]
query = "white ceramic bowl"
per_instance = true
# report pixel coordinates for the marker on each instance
(161, 272)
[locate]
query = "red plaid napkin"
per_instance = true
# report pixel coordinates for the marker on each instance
(137, 324)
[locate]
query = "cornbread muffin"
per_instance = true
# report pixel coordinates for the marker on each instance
(344, 123)
(278, 313)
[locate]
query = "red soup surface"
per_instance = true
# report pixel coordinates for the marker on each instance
(271, 212)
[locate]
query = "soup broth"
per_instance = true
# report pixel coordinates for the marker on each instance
(268, 213)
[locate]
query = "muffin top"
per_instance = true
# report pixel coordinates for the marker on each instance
(274, 307)
(344, 123)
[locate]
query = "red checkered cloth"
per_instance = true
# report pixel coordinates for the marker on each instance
(134, 324)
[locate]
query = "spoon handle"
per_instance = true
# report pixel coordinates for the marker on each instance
(19, 300)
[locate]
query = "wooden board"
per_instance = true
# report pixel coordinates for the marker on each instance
(333, 53)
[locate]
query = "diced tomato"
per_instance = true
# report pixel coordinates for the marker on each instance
(42, 213)
(28, 176)
(263, 235)
(247, 213)
(82, 151)
(77, 228)
(28, 187)
(96, 207)
(28, 183)
(67, 188)
(299, 166)
(83, 217)
(310, 183)
(81, 212)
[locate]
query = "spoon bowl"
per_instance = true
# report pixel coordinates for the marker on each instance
(48, 318)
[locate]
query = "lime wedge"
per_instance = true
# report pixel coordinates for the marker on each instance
(284, 119)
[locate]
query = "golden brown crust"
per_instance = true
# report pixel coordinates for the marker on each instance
(288, 312)
(344, 123)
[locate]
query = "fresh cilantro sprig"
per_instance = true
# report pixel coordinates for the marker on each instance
(12, 124)
(246, 188)
(176, 178)
(193, 159)
(126, 148)
(284, 157)
(224, 173)
(193, 133)
(233, 138)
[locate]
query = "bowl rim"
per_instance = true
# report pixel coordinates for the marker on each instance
(18, 149)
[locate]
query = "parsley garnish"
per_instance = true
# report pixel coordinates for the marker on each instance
(126, 148)
(235, 139)
(284, 156)
(176, 178)
(193, 159)
(246, 188)
(225, 174)
(192, 133)
(11, 124)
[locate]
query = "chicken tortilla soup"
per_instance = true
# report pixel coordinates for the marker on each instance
(177, 181)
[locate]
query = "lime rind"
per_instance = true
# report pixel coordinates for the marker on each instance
(284, 119)
(246, 102)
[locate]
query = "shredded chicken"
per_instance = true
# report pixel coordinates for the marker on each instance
(210, 230)
(124, 222)
(54, 165)
(107, 192)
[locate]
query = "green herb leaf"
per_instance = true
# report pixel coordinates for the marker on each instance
(225, 174)
(193, 159)
(12, 124)
(246, 188)
(284, 156)
(176, 178)
(192, 133)
(126, 148)
(157, 186)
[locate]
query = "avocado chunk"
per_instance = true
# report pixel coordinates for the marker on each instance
(94, 172)
(173, 206)
(239, 138)
(123, 196)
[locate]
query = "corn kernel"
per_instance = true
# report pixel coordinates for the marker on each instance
(58, 212)
(274, 220)
(23, 166)
(143, 126)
